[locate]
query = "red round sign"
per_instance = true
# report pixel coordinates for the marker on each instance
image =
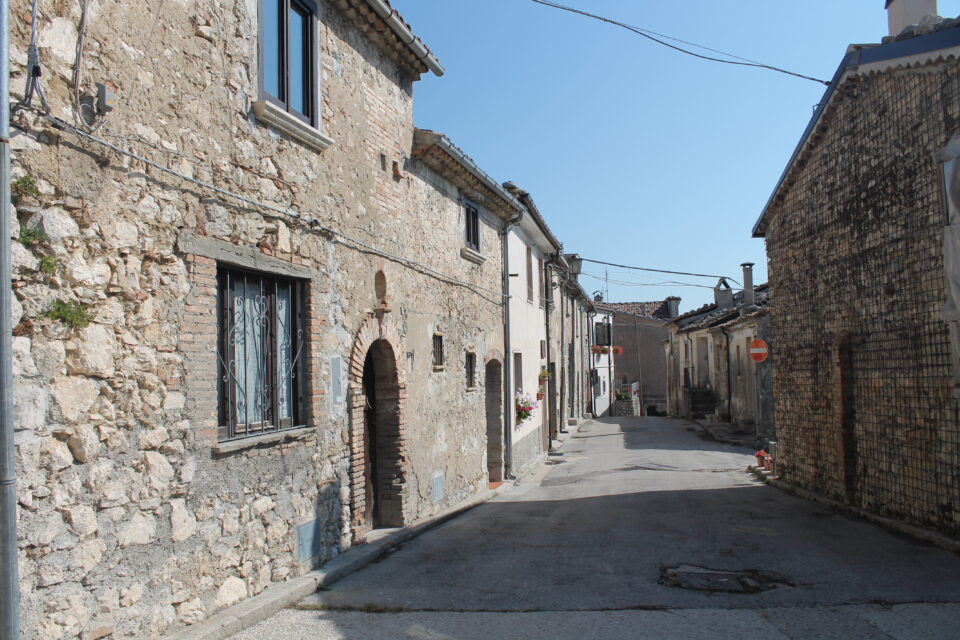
(759, 350)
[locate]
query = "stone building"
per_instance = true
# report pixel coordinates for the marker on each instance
(710, 372)
(640, 329)
(257, 314)
(861, 242)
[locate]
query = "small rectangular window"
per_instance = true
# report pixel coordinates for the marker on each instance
(287, 60)
(472, 227)
(518, 372)
(260, 353)
(471, 367)
(540, 280)
(529, 275)
(437, 351)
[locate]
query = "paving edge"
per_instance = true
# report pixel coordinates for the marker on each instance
(280, 596)
(912, 531)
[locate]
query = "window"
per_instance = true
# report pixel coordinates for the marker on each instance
(601, 335)
(288, 66)
(260, 353)
(518, 372)
(437, 351)
(529, 275)
(472, 221)
(471, 366)
(540, 280)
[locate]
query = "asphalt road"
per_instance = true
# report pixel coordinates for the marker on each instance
(642, 529)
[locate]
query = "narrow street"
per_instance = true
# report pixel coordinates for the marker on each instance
(642, 529)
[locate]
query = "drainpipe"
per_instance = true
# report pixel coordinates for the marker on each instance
(508, 406)
(9, 578)
(729, 378)
(590, 329)
(610, 369)
(547, 352)
(561, 417)
(636, 339)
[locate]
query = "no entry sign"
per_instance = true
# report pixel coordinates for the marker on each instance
(759, 350)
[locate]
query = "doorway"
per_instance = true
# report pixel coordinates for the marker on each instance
(493, 387)
(382, 461)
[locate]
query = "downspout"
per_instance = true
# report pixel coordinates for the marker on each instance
(561, 412)
(590, 329)
(546, 321)
(610, 369)
(508, 405)
(636, 338)
(9, 578)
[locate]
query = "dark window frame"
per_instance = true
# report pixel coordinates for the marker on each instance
(471, 226)
(228, 418)
(311, 69)
(438, 356)
(530, 275)
(470, 366)
(540, 285)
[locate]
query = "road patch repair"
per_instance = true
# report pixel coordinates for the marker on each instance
(690, 576)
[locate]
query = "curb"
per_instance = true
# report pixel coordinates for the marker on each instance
(722, 439)
(918, 533)
(280, 596)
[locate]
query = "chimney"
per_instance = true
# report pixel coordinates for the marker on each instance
(723, 294)
(749, 296)
(673, 307)
(903, 13)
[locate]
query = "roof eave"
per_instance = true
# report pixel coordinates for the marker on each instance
(856, 56)
(425, 141)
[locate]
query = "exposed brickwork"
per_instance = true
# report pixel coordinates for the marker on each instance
(865, 411)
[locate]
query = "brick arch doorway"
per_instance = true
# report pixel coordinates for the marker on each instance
(378, 450)
(493, 405)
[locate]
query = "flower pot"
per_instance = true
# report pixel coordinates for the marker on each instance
(539, 396)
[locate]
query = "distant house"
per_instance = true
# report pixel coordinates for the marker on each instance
(863, 244)
(710, 372)
(640, 331)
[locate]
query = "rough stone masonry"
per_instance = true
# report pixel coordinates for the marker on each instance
(137, 516)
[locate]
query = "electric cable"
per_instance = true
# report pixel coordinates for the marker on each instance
(676, 273)
(646, 33)
(280, 212)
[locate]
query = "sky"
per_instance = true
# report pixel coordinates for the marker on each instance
(636, 154)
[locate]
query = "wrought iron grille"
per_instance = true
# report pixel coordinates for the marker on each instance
(260, 353)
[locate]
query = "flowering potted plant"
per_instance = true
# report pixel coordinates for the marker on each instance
(595, 349)
(524, 406)
(617, 351)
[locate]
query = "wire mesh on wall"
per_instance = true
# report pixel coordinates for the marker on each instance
(864, 380)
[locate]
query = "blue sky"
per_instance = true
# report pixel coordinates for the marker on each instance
(637, 154)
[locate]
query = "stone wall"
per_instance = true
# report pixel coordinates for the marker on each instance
(864, 381)
(135, 516)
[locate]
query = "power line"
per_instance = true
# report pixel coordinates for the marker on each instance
(276, 211)
(650, 35)
(676, 273)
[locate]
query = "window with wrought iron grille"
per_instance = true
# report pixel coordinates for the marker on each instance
(260, 353)
(471, 367)
(437, 351)
(472, 230)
